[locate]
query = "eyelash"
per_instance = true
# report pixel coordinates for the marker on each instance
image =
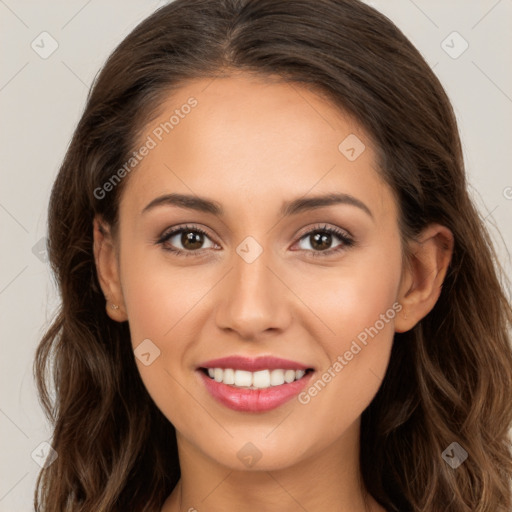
(346, 240)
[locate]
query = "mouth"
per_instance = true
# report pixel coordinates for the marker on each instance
(253, 385)
(262, 379)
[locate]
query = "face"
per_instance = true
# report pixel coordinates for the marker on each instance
(287, 246)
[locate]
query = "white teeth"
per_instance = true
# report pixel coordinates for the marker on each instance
(289, 376)
(229, 376)
(254, 380)
(261, 379)
(276, 377)
(242, 378)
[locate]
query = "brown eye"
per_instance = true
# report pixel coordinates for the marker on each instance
(191, 240)
(320, 240)
(185, 240)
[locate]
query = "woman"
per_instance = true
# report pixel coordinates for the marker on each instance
(276, 292)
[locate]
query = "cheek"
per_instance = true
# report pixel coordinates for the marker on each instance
(160, 303)
(352, 298)
(165, 304)
(158, 296)
(359, 308)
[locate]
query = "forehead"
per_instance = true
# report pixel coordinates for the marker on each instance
(247, 141)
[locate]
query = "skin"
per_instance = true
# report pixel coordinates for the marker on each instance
(251, 145)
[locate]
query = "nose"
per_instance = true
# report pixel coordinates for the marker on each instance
(253, 299)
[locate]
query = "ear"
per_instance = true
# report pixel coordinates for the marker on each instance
(107, 268)
(423, 275)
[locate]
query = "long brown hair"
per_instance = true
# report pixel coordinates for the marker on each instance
(449, 379)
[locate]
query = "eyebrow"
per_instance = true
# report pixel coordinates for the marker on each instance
(289, 208)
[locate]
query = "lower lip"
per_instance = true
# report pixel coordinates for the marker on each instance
(253, 400)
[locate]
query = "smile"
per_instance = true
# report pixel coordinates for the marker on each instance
(253, 385)
(254, 380)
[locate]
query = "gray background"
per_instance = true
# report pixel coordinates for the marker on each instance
(41, 100)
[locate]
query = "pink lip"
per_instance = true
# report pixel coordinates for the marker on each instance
(253, 364)
(253, 400)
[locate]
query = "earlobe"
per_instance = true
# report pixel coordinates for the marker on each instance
(430, 256)
(107, 270)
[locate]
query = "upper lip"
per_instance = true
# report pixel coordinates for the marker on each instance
(254, 364)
